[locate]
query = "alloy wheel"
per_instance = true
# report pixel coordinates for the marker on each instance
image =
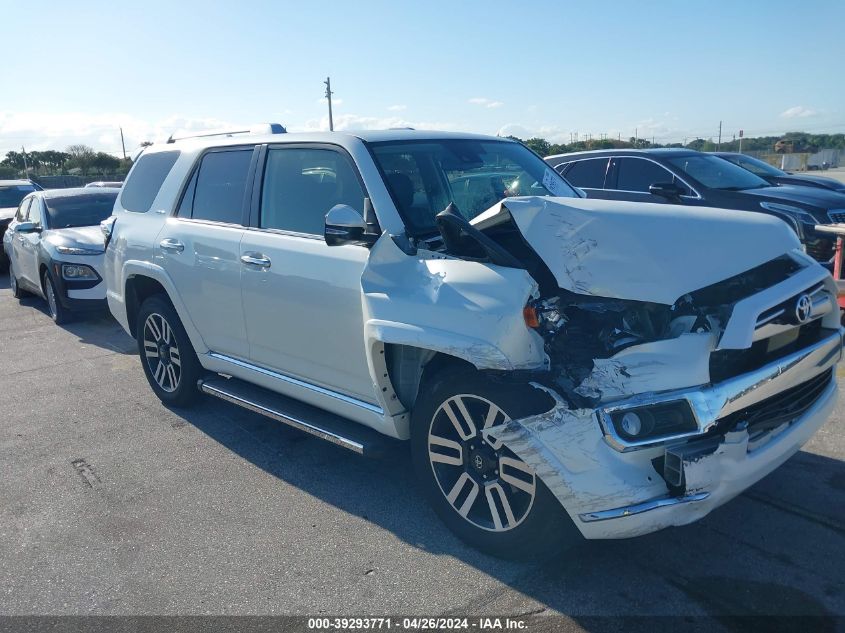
(51, 298)
(483, 480)
(161, 353)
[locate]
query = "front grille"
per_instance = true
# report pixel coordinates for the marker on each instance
(748, 283)
(837, 217)
(786, 406)
(727, 363)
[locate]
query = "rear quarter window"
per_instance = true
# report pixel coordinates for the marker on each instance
(146, 179)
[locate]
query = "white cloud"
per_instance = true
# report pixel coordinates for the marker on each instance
(398, 107)
(484, 101)
(798, 112)
(41, 131)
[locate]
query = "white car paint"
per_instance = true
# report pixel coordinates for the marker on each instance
(642, 251)
(436, 303)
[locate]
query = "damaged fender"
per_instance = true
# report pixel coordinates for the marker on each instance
(469, 310)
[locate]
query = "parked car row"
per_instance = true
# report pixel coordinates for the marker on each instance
(560, 365)
(679, 176)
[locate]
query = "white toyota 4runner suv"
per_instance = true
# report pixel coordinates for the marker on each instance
(555, 362)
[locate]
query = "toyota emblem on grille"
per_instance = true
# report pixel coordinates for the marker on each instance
(803, 308)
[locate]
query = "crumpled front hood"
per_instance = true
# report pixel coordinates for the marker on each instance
(641, 251)
(90, 237)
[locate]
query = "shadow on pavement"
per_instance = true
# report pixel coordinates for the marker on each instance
(737, 562)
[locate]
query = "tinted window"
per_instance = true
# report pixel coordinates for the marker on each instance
(221, 183)
(23, 210)
(717, 173)
(145, 180)
(88, 209)
(588, 173)
(301, 185)
(11, 196)
(637, 174)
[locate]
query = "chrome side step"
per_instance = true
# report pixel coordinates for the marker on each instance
(296, 414)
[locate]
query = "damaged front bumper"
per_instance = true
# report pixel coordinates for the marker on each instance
(743, 435)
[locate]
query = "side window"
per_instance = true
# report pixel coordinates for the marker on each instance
(220, 186)
(301, 185)
(35, 214)
(637, 174)
(588, 174)
(23, 210)
(146, 179)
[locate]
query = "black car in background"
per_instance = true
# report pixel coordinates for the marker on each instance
(777, 176)
(11, 194)
(681, 176)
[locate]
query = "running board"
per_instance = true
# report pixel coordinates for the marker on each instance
(299, 415)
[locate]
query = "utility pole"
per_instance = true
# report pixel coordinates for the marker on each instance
(719, 144)
(122, 144)
(25, 164)
(328, 83)
(636, 137)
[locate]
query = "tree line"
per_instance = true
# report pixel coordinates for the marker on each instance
(788, 143)
(80, 158)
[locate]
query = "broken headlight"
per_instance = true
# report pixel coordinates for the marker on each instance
(632, 426)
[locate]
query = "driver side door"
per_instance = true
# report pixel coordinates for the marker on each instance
(27, 244)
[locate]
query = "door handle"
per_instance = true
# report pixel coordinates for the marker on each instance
(170, 245)
(255, 259)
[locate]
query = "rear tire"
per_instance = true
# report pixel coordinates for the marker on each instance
(58, 312)
(481, 490)
(167, 356)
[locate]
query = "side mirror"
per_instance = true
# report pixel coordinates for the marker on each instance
(344, 225)
(27, 227)
(668, 190)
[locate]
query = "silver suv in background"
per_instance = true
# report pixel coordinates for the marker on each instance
(559, 365)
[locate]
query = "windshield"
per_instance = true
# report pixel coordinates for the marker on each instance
(756, 166)
(423, 177)
(717, 173)
(12, 196)
(87, 209)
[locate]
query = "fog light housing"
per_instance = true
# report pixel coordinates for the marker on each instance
(78, 272)
(629, 427)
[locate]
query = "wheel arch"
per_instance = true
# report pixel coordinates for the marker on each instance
(143, 281)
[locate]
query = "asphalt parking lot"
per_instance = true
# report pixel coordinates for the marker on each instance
(112, 504)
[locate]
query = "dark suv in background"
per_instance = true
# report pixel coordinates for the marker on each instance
(681, 176)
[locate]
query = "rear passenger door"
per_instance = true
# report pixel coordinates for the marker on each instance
(200, 247)
(588, 174)
(301, 297)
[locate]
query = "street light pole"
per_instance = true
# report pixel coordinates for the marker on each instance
(328, 83)
(122, 144)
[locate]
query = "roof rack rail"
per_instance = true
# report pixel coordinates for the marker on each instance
(265, 128)
(401, 128)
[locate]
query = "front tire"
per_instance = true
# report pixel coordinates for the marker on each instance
(58, 312)
(167, 356)
(481, 489)
(17, 292)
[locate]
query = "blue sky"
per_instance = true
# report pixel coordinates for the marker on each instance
(669, 69)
